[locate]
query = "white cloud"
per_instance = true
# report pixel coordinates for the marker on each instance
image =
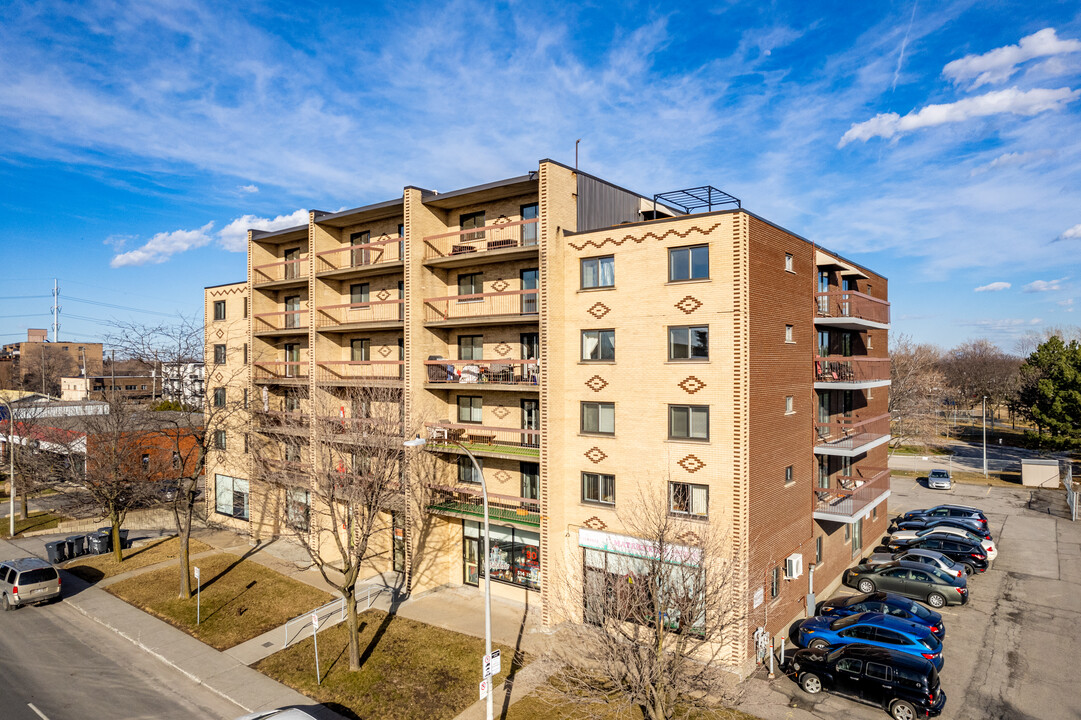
(1044, 285)
(1072, 234)
(993, 287)
(1011, 101)
(234, 236)
(1067, 303)
(163, 246)
(248, 188)
(1015, 159)
(999, 64)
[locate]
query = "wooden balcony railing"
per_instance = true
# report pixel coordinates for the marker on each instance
(851, 434)
(492, 304)
(366, 312)
(364, 255)
(853, 494)
(284, 270)
(331, 371)
(851, 304)
(522, 233)
(483, 438)
(461, 500)
(286, 320)
(851, 369)
(278, 370)
(504, 372)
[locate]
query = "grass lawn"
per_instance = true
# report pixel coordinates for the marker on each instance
(39, 520)
(918, 450)
(241, 599)
(408, 669)
(545, 703)
(997, 479)
(93, 568)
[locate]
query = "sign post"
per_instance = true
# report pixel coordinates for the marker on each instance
(198, 597)
(315, 639)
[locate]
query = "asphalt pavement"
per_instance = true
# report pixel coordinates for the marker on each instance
(969, 456)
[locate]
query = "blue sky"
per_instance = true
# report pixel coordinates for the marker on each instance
(938, 143)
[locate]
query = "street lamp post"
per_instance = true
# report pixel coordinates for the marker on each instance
(985, 436)
(11, 468)
(486, 560)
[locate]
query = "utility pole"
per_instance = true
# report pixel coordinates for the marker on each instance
(43, 368)
(56, 311)
(985, 436)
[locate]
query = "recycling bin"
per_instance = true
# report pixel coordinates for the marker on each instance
(76, 545)
(55, 550)
(98, 543)
(124, 540)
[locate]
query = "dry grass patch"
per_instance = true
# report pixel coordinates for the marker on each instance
(966, 477)
(548, 703)
(38, 520)
(93, 568)
(408, 669)
(241, 599)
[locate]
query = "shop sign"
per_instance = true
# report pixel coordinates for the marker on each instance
(635, 547)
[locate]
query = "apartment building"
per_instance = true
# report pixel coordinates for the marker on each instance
(25, 361)
(590, 346)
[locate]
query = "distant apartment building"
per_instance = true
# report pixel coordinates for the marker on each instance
(22, 360)
(182, 382)
(588, 345)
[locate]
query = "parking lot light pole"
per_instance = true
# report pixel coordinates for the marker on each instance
(11, 468)
(486, 560)
(985, 436)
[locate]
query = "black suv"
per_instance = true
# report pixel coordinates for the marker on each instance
(971, 555)
(904, 685)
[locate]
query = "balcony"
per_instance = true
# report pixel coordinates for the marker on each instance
(359, 372)
(373, 258)
(851, 373)
(852, 437)
(469, 502)
(491, 374)
(286, 373)
(281, 274)
(281, 423)
(511, 443)
(851, 310)
(855, 497)
(288, 322)
(509, 306)
(374, 315)
(284, 472)
(492, 243)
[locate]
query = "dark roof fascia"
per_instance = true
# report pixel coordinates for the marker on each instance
(264, 234)
(321, 217)
(238, 282)
(532, 176)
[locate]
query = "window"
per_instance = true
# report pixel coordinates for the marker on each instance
(599, 418)
(360, 350)
(598, 344)
(360, 255)
(219, 397)
(467, 473)
(245, 307)
(789, 475)
(848, 532)
(857, 537)
(470, 284)
(598, 272)
(469, 409)
(818, 550)
(398, 547)
(775, 582)
(245, 398)
(298, 509)
(597, 488)
(231, 496)
(358, 293)
(219, 309)
(688, 499)
(529, 232)
(875, 670)
(219, 439)
(470, 347)
(789, 405)
(788, 334)
(292, 263)
(245, 353)
(515, 554)
(874, 513)
(468, 221)
(219, 354)
(850, 665)
(788, 264)
(688, 422)
(688, 343)
(530, 479)
(688, 263)
(246, 449)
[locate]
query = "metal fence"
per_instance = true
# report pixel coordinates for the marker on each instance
(1065, 471)
(330, 614)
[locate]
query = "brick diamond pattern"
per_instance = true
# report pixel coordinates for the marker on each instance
(500, 285)
(502, 349)
(384, 351)
(217, 377)
(691, 384)
(595, 455)
(595, 523)
(688, 304)
(691, 464)
(383, 294)
(220, 333)
(689, 537)
(596, 383)
(598, 310)
(502, 476)
(501, 412)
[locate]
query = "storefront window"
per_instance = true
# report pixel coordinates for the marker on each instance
(515, 557)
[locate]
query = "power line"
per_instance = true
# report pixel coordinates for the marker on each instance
(25, 297)
(23, 316)
(116, 307)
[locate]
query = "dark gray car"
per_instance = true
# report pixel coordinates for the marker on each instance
(913, 580)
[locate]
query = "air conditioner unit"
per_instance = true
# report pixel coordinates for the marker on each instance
(793, 566)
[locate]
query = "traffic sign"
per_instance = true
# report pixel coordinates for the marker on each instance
(490, 665)
(315, 621)
(196, 572)
(484, 688)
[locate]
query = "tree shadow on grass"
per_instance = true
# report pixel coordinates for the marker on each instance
(396, 599)
(251, 551)
(236, 597)
(360, 628)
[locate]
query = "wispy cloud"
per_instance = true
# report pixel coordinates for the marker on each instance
(1037, 286)
(1000, 64)
(234, 236)
(1015, 159)
(163, 246)
(248, 188)
(1071, 234)
(993, 287)
(901, 54)
(1011, 101)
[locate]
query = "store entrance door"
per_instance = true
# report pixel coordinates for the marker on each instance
(470, 553)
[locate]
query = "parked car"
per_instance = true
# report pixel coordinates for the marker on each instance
(927, 557)
(913, 580)
(969, 554)
(922, 523)
(986, 543)
(27, 581)
(874, 629)
(905, 685)
(939, 480)
(280, 714)
(887, 604)
(953, 511)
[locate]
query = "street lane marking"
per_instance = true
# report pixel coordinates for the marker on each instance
(40, 714)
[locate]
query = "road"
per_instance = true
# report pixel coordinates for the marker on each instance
(969, 456)
(56, 664)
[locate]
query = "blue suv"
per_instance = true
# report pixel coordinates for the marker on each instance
(887, 604)
(874, 629)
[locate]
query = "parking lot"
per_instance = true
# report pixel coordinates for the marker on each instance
(1010, 653)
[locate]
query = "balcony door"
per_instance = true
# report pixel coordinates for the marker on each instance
(823, 286)
(529, 232)
(292, 311)
(360, 255)
(530, 279)
(292, 357)
(530, 421)
(824, 414)
(292, 264)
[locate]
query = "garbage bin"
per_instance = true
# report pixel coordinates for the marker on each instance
(56, 551)
(98, 543)
(124, 540)
(107, 531)
(76, 545)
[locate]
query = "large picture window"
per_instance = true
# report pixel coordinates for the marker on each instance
(515, 557)
(231, 496)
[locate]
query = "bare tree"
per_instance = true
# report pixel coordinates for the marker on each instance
(917, 388)
(37, 458)
(655, 625)
(42, 369)
(978, 369)
(338, 460)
